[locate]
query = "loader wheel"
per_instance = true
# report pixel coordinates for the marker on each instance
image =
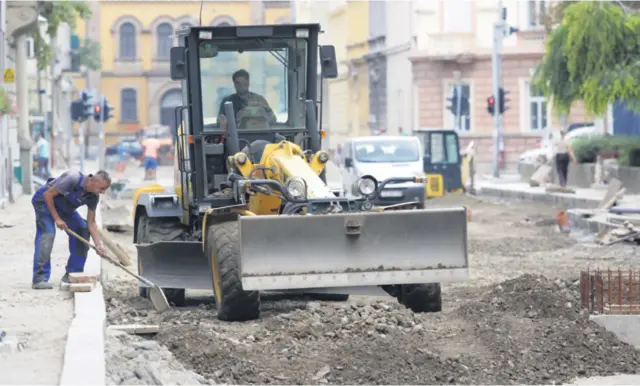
(223, 251)
(421, 298)
(151, 230)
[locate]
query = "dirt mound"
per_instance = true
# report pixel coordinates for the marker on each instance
(538, 334)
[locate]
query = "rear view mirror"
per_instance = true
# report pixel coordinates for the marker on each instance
(328, 64)
(348, 162)
(178, 63)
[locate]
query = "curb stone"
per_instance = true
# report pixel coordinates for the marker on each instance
(84, 362)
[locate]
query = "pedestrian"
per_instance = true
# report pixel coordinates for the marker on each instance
(563, 155)
(43, 154)
(151, 146)
(55, 205)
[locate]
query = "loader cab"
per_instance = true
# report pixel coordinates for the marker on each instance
(441, 158)
(269, 73)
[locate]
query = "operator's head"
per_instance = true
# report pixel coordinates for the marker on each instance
(99, 182)
(241, 82)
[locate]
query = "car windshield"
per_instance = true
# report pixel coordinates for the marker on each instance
(387, 151)
(262, 100)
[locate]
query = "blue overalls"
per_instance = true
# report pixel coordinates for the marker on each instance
(66, 205)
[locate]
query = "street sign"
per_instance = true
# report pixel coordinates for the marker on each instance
(9, 75)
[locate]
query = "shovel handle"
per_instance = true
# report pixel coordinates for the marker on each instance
(110, 259)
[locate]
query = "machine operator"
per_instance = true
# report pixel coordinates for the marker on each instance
(55, 205)
(245, 101)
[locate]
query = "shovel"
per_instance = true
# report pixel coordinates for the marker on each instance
(156, 295)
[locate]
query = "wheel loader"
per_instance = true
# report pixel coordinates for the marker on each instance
(251, 211)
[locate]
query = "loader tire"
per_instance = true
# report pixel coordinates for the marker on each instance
(421, 298)
(223, 251)
(151, 230)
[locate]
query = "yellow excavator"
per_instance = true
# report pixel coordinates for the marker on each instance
(252, 212)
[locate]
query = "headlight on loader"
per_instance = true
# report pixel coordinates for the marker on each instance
(367, 185)
(296, 187)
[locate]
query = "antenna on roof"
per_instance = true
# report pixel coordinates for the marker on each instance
(201, 5)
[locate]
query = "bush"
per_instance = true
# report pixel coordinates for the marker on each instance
(586, 149)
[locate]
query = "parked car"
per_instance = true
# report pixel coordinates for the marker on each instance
(545, 146)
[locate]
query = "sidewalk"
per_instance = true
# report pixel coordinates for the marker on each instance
(509, 187)
(36, 322)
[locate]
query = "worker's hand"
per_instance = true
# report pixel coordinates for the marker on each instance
(101, 251)
(61, 224)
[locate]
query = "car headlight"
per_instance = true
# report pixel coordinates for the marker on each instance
(296, 187)
(367, 185)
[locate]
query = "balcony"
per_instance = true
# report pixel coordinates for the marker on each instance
(449, 47)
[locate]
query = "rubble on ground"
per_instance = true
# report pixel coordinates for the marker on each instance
(146, 363)
(517, 320)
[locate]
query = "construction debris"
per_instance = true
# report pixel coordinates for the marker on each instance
(624, 232)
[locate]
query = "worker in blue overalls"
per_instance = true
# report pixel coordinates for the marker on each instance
(55, 204)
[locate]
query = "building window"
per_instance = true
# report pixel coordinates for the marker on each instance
(465, 119)
(537, 109)
(129, 105)
(536, 10)
(127, 41)
(164, 40)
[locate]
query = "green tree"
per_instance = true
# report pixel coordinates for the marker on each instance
(57, 12)
(592, 55)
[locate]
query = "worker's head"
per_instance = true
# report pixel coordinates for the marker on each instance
(241, 82)
(38, 136)
(99, 182)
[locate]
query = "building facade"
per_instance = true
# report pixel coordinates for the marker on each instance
(457, 35)
(136, 40)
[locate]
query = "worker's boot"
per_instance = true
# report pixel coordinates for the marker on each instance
(65, 278)
(41, 285)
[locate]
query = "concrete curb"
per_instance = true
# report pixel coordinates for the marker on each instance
(84, 362)
(566, 200)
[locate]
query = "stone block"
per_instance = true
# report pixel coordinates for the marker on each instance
(81, 277)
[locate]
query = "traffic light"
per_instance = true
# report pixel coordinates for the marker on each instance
(96, 112)
(102, 111)
(503, 101)
(454, 100)
(491, 104)
(76, 110)
(87, 105)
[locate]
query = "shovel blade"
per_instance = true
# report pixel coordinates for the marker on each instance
(353, 249)
(158, 299)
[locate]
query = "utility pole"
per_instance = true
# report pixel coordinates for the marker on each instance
(101, 135)
(496, 67)
(24, 135)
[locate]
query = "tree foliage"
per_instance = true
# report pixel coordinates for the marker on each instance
(592, 55)
(57, 12)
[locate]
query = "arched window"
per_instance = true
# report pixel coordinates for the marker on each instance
(129, 105)
(163, 33)
(170, 100)
(127, 41)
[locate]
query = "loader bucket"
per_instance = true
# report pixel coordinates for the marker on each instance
(175, 264)
(353, 249)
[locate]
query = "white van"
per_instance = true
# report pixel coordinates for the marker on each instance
(384, 157)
